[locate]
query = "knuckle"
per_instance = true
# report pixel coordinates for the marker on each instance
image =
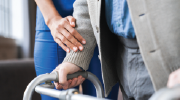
(69, 36)
(56, 40)
(57, 27)
(73, 31)
(63, 21)
(68, 17)
(62, 69)
(63, 39)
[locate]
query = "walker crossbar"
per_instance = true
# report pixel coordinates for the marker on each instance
(34, 85)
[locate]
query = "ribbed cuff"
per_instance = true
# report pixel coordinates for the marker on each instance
(81, 58)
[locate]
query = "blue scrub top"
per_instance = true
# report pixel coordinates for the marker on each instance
(64, 7)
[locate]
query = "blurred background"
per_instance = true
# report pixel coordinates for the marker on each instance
(17, 36)
(17, 28)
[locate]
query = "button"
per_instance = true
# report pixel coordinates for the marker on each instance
(118, 24)
(97, 29)
(99, 57)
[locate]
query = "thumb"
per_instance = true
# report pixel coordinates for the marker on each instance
(71, 20)
(63, 79)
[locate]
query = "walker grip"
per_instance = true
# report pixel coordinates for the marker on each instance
(76, 74)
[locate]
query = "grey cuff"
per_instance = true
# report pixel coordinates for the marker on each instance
(81, 58)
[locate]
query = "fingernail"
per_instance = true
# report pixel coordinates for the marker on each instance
(80, 47)
(74, 48)
(67, 50)
(73, 23)
(84, 42)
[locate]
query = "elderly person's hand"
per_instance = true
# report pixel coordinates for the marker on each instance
(64, 69)
(63, 32)
(174, 78)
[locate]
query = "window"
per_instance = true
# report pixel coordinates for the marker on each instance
(5, 18)
(14, 23)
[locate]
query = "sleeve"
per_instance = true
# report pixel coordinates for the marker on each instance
(84, 27)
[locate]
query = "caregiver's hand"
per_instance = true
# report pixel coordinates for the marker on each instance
(64, 69)
(63, 32)
(174, 78)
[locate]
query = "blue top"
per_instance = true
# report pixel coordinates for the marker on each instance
(118, 18)
(64, 7)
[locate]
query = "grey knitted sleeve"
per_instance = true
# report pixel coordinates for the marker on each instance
(83, 26)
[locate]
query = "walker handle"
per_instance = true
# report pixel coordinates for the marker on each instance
(54, 76)
(83, 74)
(91, 77)
(74, 75)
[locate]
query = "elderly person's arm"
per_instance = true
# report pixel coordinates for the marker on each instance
(74, 60)
(174, 78)
(62, 29)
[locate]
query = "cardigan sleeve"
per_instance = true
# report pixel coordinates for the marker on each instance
(84, 27)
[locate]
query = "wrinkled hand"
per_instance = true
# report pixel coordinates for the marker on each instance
(63, 32)
(64, 69)
(174, 78)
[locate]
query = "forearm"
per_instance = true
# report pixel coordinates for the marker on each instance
(84, 28)
(48, 10)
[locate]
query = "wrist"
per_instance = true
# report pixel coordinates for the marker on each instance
(71, 67)
(50, 20)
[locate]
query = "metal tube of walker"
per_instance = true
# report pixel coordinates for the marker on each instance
(36, 81)
(54, 77)
(63, 95)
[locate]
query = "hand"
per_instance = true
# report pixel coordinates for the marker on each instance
(174, 78)
(64, 69)
(63, 32)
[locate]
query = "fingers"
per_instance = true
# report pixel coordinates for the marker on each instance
(74, 32)
(64, 69)
(65, 32)
(77, 81)
(66, 41)
(58, 86)
(62, 45)
(63, 78)
(71, 83)
(71, 20)
(70, 36)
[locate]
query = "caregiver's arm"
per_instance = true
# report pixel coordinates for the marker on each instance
(74, 60)
(62, 29)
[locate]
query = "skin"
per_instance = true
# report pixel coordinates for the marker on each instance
(62, 29)
(64, 69)
(63, 32)
(174, 79)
